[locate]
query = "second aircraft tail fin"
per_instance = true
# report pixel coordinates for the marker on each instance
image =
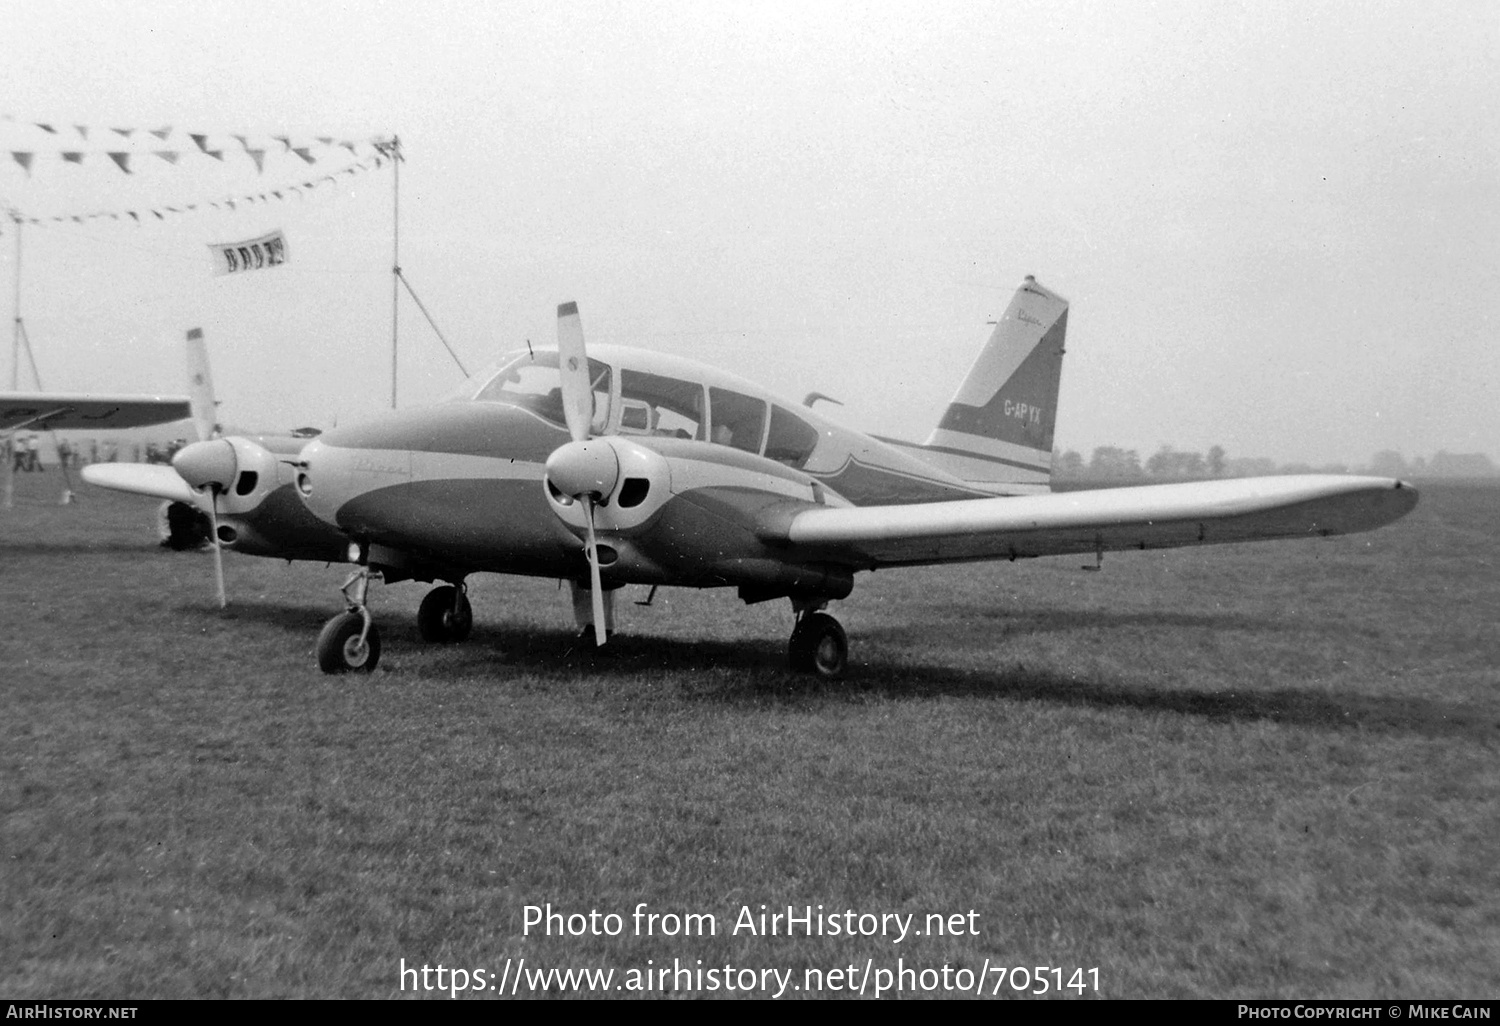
(201, 387)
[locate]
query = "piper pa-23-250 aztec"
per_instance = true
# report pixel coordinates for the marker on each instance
(618, 466)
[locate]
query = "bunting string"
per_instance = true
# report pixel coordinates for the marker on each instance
(124, 149)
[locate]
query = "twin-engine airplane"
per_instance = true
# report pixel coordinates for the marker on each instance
(620, 466)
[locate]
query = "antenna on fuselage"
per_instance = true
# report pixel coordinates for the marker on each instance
(813, 397)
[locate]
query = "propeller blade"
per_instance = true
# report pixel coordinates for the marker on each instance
(213, 520)
(599, 635)
(577, 389)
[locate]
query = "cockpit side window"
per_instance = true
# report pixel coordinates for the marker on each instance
(791, 440)
(652, 404)
(534, 383)
(738, 420)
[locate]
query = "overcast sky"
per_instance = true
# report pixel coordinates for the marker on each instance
(1278, 222)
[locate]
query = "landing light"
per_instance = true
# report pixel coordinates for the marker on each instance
(304, 483)
(356, 552)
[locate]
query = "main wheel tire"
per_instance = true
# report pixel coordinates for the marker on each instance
(819, 646)
(339, 647)
(439, 619)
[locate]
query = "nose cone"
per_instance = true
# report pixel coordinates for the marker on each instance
(584, 468)
(322, 480)
(207, 463)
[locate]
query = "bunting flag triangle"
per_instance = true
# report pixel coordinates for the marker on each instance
(202, 141)
(124, 133)
(122, 159)
(170, 156)
(305, 154)
(46, 128)
(83, 131)
(162, 133)
(72, 156)
(24, 159)
(259, 156)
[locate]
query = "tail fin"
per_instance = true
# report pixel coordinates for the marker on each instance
(201, 387)
(997, 431)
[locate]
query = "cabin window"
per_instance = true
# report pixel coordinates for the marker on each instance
(791, 440)
(652, 404)
(534, 383)
(738, 420)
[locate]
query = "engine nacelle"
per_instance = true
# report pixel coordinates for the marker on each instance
(630, 482)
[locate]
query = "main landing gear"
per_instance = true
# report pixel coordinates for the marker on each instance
(350, 641)
(819, 645)
(445, 614)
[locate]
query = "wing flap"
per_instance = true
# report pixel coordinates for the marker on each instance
(43, 411)
(1146, 517)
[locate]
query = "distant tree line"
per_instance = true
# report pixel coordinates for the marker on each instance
(1112, 463)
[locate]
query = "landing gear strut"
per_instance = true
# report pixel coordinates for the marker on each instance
(818, 645)
(350, 641)
(445, 614)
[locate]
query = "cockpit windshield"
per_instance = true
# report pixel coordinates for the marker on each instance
(532, 382)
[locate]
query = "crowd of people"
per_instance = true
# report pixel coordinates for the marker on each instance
(23, 452)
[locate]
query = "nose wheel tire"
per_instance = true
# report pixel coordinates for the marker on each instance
(340, 648)
(819, 647)
(445, 615)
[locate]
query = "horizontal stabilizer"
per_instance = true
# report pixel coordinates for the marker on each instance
(154, 479)
(1148, 517)
(50, 411)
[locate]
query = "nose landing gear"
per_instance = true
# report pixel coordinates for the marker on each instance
(350, 640)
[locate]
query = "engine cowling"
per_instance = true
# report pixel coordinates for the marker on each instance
(628, 481)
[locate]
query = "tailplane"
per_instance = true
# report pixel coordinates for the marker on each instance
(997, 430)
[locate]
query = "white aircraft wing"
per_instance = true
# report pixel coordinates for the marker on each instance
(42, 411)
(1110, 519)
(154, 479)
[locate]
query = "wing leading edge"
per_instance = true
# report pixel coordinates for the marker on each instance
(1146, 517)
(154, 479)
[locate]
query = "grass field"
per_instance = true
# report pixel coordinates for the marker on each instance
(1246, 771)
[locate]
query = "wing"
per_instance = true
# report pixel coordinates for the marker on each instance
(154, 479)
(42, 411)
(1149, 517)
